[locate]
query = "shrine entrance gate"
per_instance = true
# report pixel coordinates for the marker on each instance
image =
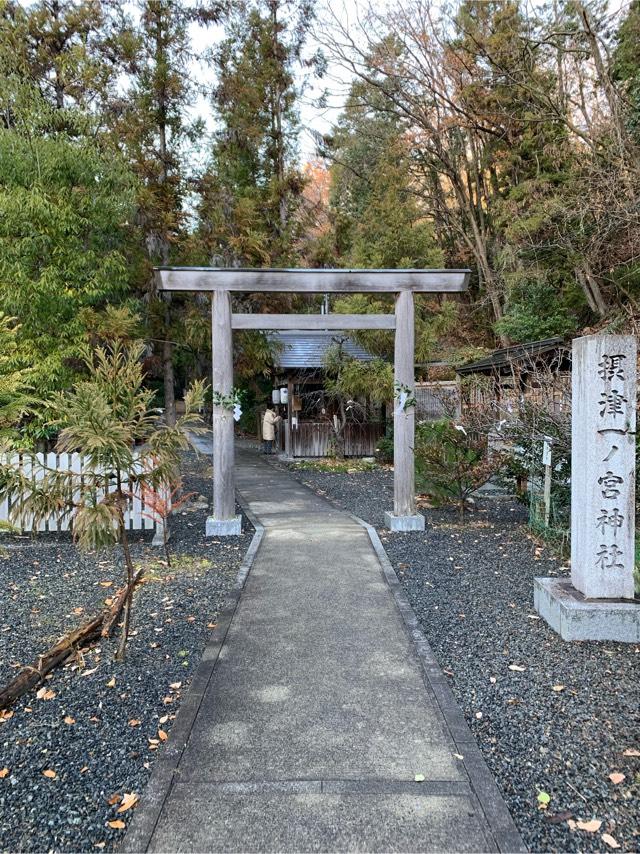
(223, 282)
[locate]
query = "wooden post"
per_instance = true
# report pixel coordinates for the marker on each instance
(224, 520)
(404, 516)
(288, 448)
(546, 461)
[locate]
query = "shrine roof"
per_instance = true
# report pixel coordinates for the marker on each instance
(307, 349)
(507, 356)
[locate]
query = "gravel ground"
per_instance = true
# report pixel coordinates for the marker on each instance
(561, 722)
(94, 732)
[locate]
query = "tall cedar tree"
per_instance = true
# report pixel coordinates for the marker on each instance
(70, 51)
(153, 129)
(250, 197)
(377, 218)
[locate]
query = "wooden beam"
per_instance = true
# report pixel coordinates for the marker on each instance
(310, 281)
(314, 321)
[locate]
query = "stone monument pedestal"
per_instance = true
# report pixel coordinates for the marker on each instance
(598, 603)
(578, 619)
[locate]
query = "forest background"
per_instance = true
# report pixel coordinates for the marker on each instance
(500, 135)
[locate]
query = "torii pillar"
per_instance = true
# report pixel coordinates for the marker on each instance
(225, 521)
(222, 283)
(404, 516)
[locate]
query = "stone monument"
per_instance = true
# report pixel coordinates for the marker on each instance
(598, 603)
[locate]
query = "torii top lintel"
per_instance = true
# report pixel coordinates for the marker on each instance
(299, 280)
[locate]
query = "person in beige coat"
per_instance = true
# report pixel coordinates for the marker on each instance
(269, 421)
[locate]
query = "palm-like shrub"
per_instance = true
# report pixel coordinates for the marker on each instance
(109, 418)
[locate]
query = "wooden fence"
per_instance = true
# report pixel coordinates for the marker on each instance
(139, 515)
(316, 439)
(435, 400)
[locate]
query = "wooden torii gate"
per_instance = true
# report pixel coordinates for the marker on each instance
(223, 282)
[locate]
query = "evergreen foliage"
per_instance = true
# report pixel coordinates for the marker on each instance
(65, 211)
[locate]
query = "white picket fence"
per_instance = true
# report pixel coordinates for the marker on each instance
(139, 516)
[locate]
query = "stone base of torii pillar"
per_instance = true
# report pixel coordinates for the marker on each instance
(223, 527)
(598, 602)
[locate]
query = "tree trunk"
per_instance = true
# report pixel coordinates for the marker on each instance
(163, 153)
(97, 626)
(124, 636)
(277, 129)
(169, 383)
(608, 88)
(592, 292)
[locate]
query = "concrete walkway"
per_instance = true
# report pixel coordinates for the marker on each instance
(314, 708)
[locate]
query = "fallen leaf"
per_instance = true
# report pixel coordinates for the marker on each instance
(117, 824)
(69, 720)
(3, 773)
(478, 715)
(458, 756)
(134, 722)
(112, 682)
(517, 668)
(49, 773)
(88, 672)
(129, 799)
(175, 685)
(419, 778)
(616, 777)
(630, 751)
(114, 799)
(84, 769)
(589, 826)
(5, 715)
(106, 583)
(45, 694)
(611, 842)
(211, 625)
(153, 741)
(163, 719)
(99, 844)
(493, 680)
(543, 799)
(162, 735)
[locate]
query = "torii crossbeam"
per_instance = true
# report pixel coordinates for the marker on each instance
(223, 282)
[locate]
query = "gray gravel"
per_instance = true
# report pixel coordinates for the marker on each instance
(471, 588)
(103, 750)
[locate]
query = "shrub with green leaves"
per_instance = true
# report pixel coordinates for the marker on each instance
(452, 462)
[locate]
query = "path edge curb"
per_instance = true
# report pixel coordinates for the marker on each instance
(499, 820)
(140, 831)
